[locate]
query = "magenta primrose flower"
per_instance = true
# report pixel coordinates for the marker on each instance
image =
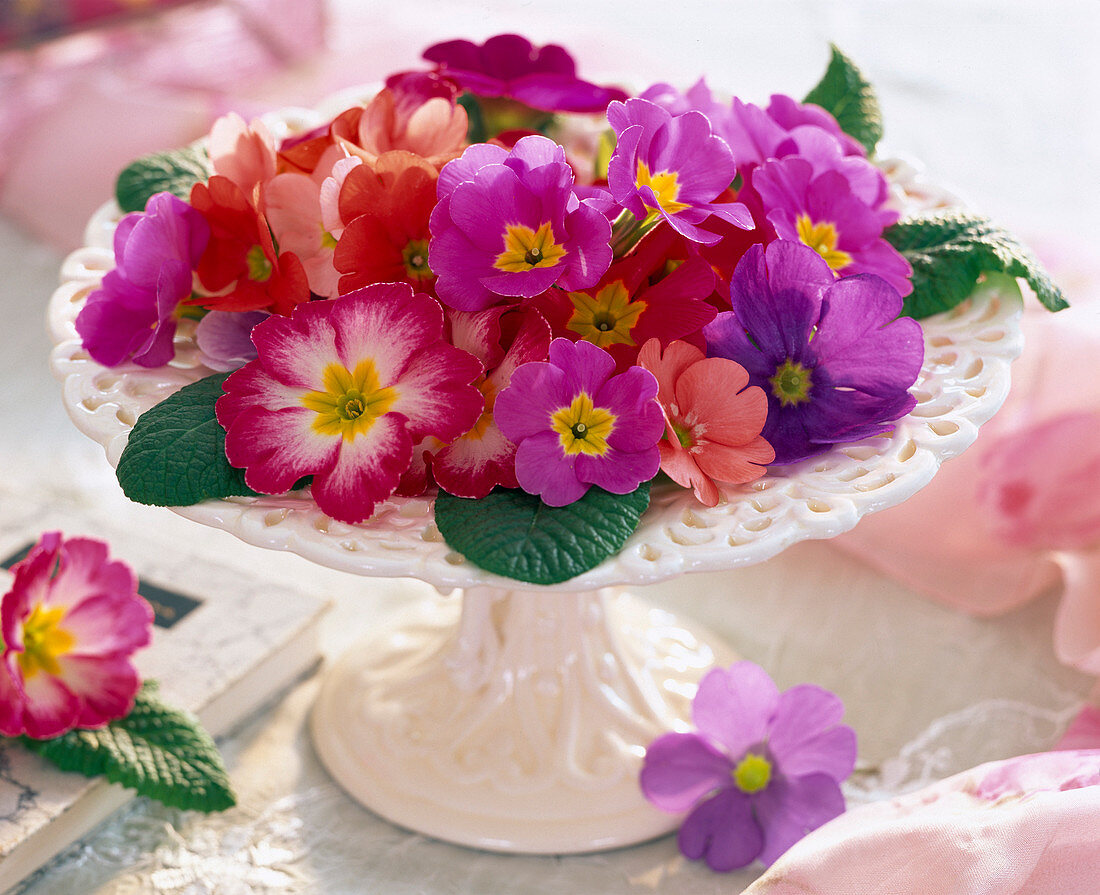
(762, 771)
(824, 212)
(133, 313)
(508, 225)
(832, 355)
(577, 425)
(672, 166)
(509, 65)
(341, 390)
(70, 624)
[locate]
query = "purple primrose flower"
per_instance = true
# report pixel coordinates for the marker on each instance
(763, 770)
(508, 224)
(508, 65)
(673, 166)
(832, 355)
(133, 313)
(577, 425)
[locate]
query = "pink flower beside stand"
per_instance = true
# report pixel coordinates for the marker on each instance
(515, 719)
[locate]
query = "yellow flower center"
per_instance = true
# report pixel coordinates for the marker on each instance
(415, 256)
(607, 318)
(44, 642)
(350, 401)
(583, 428)
(791, 383)
(489, 393)
(525, 249)
(664, 185)
(822, 238)
(753, 773)
(259, 268)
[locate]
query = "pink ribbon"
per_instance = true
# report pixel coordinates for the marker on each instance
(1023, 826)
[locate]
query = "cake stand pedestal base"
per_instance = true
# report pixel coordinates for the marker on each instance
(517, 724)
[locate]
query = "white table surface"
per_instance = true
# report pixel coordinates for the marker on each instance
(999, 99)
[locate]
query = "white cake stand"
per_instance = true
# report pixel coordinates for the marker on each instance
(515, 719)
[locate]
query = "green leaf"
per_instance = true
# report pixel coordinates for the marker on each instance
(174, 172)
(475, 129)
(159, 751)
(850, 99)
(515, 534)
(950, 250)
(175, 455)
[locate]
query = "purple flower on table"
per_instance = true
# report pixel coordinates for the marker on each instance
(132, 316)
(825, 212)
(832, 355)
(763, 769)
(576, 424)
(508, 65)
(508, 225)
(672, 166)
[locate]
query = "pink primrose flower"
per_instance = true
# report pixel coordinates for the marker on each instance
(713, 418)
(70, 624)
(483, 458)
(673, 166)
(508, 225)
(292, 204)
(577, 425)
(341, 390)
(245, 153)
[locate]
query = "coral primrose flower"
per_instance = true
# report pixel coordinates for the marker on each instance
(763, 769)
(672, 166)
(832, 355)
(241, 265)
(508, 225)
(386, 207)
(70, 624)
(341, 390)
(577, 425)
(713, 416)
(508, 65)
(132, 316)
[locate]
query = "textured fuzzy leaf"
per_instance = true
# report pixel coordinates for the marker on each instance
(162, 172)
(850, 99)
(159, 751)
(175, 455)
(950, 250)
(515, 534)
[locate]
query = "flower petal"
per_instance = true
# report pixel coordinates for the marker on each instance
(734, 705)
(791, 807)
(806, 735)
(681, 768)
(722, 830)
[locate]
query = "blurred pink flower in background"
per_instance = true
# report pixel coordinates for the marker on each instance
(1020, 511)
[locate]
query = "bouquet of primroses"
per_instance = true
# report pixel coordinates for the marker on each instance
(529, 292)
